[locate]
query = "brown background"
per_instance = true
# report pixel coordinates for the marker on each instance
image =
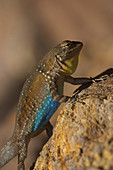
(28, 30)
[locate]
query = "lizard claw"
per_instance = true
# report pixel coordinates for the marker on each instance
(102, 78)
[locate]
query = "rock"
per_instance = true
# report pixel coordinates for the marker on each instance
(83, 136)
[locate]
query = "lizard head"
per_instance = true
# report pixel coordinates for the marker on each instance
(67, 56)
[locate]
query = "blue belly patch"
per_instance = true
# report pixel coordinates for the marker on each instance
(44, 114)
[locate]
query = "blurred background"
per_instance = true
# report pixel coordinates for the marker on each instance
(28, 29)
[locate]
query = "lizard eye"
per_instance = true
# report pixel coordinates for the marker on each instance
(67, 45)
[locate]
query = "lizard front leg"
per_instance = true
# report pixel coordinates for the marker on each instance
(57, 86)
(77, 81)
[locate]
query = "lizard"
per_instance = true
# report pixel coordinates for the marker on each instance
(41, 95)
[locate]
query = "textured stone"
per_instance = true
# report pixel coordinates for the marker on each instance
(83, 136)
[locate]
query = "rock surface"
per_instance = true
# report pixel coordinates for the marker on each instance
(83, 136)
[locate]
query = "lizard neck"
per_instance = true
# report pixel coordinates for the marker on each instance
(48, 66)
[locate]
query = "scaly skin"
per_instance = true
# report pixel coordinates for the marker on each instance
(41, 95)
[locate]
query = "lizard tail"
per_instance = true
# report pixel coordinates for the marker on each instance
(9, 151)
